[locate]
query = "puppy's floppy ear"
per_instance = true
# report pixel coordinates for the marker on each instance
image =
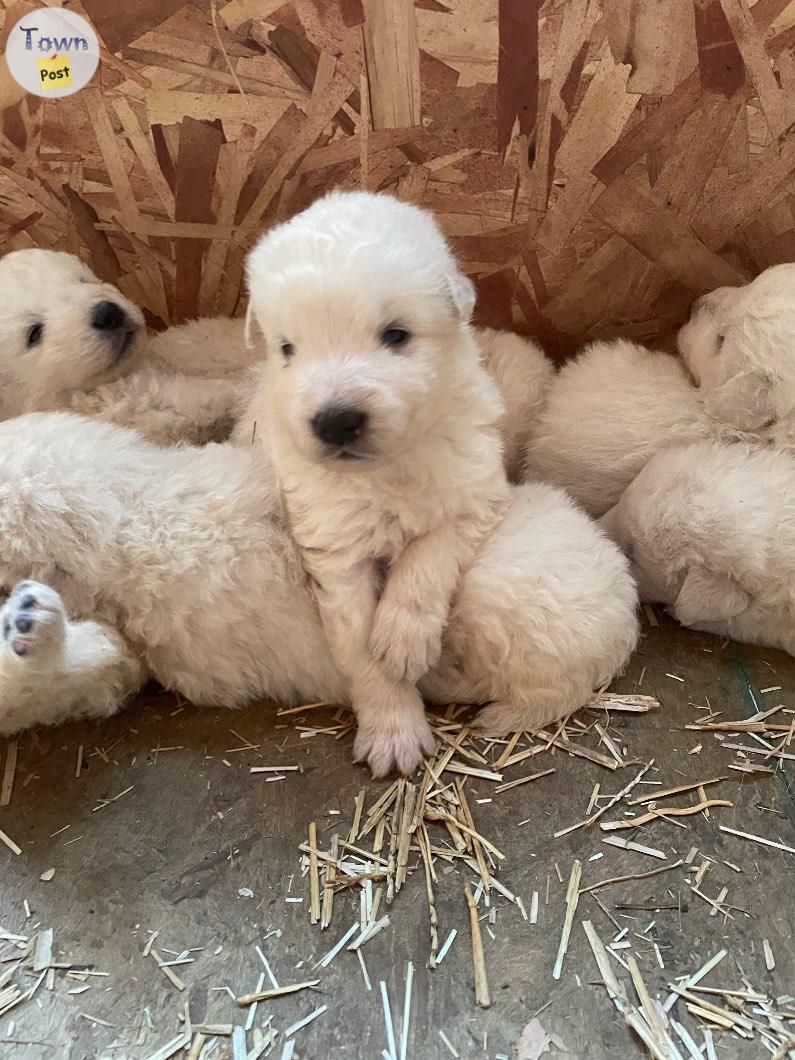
(745, 401)
(708, 597)
(462, 292)
(252, 332)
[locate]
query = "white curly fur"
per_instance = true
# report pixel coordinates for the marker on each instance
(177, 563)
(184, 384)
(710, 530)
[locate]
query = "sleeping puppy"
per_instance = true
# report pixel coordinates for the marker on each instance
(739, 345)
(710, 531)
(617, 404)
(69, 341)
(607, 413)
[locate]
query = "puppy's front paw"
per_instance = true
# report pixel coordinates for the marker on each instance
(395, 745)
(406, 644)
(33, 620)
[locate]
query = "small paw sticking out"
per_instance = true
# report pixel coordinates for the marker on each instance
(33, 620)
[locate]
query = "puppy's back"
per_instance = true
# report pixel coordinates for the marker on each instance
(608, 411)
(728, 506)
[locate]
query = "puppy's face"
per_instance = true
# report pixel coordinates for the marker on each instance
(61, 329)
(702, 340)
(361, 333)
(740, 329)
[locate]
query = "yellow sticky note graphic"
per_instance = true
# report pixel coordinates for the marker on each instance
(55, 72)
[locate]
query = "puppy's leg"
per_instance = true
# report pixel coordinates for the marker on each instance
(708, 597)
(393, 731)
(52, 670)
(406, 637)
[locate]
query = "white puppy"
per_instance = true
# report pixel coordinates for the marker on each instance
(381, 423)
(617, 404)
(608, 411)
(68, 341)
(710, 530)
(177, 563)
(740, 346)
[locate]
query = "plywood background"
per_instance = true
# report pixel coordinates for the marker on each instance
(596, 163)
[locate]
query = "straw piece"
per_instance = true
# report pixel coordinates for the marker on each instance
(628, 844)
(9, 842)
(390, 1029)
(328, 884)
(747, 835)
(314, 876)
(295, 1027)
(630, 876)
(524, 780)
(278, 991)
(404, 1027)
(358, 804)
(482, 995)
(671, 811)
(9, 772)
(572, 897)
(173, 978)
(678, 790)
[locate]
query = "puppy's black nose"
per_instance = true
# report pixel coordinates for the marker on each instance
(339, 426)
(107, 316)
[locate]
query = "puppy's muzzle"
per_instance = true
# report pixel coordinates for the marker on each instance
(108, 316)
(114, 323)
(339, 426)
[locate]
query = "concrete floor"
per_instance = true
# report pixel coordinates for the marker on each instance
(205, 852)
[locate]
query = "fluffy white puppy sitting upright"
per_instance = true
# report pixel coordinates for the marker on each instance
(710, 531)
(68, 341)
(618, 404)
(178, 563)
(381, 425)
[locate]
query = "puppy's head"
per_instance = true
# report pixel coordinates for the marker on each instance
(61, 329)
(365, 316)
(739, 344)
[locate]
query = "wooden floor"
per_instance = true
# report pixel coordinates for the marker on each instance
(167, 830)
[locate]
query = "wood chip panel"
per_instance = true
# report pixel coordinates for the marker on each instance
(595, 163)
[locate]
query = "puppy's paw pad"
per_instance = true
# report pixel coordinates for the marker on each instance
(387, 750)
(33, 617)
(405, 644)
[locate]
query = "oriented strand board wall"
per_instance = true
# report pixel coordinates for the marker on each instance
(596, 163)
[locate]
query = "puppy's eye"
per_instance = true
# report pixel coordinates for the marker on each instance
(395, 337)
(34, 335)
(288, 349)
